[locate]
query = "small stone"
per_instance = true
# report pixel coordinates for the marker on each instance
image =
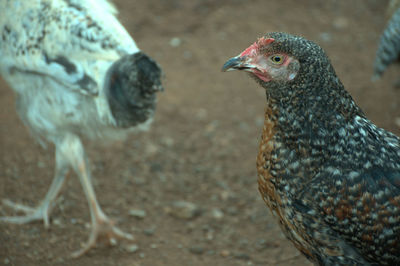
(57, 222)
(184, 210)
(149, 231)
(325, 36)
(225, 195)
(153, 246)
(198, 250)
(6, 261)
(261, 244)
(156, 167)
(201, 114)
(242, 256)
(113, 242)
(151, 149)
(137, 213)
(225, 253)
(132, 248)
(340, 23)
(211, 252)
(167, 141)
(175, 42)
(141, 255)
(217, 214)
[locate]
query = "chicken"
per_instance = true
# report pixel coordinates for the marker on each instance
(76, 73)
(389, 45)
(329, 175)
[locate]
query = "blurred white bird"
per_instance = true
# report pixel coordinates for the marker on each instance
(76, 73)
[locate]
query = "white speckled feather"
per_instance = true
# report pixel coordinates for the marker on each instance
(61, 49)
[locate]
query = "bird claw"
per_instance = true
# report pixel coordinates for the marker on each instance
(103, 229)
(32, 214)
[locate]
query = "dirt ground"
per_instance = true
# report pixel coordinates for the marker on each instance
(202, 146)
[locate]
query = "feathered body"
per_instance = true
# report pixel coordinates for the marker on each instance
(55, 55)
(76, 73)
(330, 176)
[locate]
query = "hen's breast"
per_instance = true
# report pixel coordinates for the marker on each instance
(274, 188)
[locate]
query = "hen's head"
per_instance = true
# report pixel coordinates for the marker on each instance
(131, 86)
(295, 72)
(279, 59)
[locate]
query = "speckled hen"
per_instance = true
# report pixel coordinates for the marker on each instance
(389, 44)
(76, 73)
(330, 176)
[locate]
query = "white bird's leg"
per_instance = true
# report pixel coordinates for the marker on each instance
(42, 211)
(101, 224)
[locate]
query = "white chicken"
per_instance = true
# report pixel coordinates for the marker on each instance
(76, 73)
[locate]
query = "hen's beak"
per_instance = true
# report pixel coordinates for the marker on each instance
(238, 63)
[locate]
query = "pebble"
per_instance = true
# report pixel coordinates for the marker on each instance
(149, 231)
(57, 222)
(217, 214)
(201, 114)
(198, 250)
(261, 244)
(184, 210)
(211, 252)
(151, 149)
(325, 36)
(225, 253)
(242, 256)
(137, 213)
(175, 42)
(6, 261)
(340, 23)
(156, 167)
(168, 141)
(132, 248)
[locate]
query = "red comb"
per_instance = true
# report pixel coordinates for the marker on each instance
(252, 49)
(265, 41)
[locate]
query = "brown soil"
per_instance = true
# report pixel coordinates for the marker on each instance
(202, 145)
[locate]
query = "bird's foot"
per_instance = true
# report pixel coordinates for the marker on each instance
(103, 228)
(32, 214)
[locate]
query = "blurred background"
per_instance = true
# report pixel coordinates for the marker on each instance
(202, 147)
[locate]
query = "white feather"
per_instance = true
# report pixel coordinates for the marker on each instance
(48, 48)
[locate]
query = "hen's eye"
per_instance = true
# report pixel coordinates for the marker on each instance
(276, 59)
